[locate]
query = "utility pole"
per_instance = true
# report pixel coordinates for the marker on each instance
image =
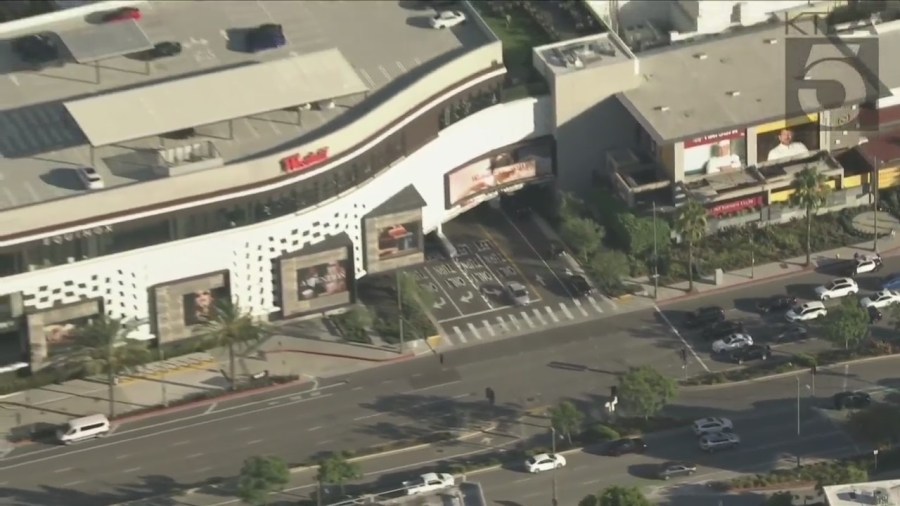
(400, 309)
(554, 500)
(875, 184)
(798, 405)
(162, 378)
(752, 254)
(655, 258)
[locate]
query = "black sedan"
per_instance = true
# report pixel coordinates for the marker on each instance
(580, 286)
(704, 316)
(625, 446)
(722, 329)
(852, 400)
(749, 353)
(776, 303)
(790, 333)
(38, 49)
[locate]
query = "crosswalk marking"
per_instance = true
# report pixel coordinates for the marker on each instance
(514, 321)
(475, 331)
(565, 310)
(610, 301)
(595, 304)
(552, 314)
(488, 326)
(580, 307)
(527, 319)
(502, 324)
(459, 334)
(537, 314)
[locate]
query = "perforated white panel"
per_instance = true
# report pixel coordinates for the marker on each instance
(124, 280)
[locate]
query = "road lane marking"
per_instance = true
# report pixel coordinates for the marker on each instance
(63, 470)
(354, 389)
(255, 441)
(211, 408)
(132, 470)
(366, 417)
(502, 324)
(72, 483)
(565, 310)
(474, 331)
(459, 334)
(203, 469)
(580, 307)
(489, 327)
(539, 316)
(610, 301)
(534, 250)
(195, 455)
(552, 314)
(470, 315)
(312, 429)
(515, 321)
(180, 443)
(415, 390)
(527, 319)
(122, 456)
(324, 442)
(680, 337)
(462, 270)
(596, 304)
(444, 291)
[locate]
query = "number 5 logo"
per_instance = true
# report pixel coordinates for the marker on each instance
(825, 74)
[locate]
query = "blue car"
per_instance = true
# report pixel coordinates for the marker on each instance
(891, 282)
(264, 37)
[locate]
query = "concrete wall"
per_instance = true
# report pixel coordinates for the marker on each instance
(590, 120)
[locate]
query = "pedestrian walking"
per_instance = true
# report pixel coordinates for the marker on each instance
(441, 358)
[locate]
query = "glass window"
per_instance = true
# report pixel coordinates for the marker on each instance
(139, 236)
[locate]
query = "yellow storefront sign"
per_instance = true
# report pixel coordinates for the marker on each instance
(787, 123)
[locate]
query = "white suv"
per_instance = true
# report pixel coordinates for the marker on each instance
(711, 425)
(806, 312)
(719, 441)
(447, 19)
(840, 287)
(90, 178)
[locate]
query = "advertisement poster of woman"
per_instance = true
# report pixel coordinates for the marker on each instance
(787, 147)
(323, 279)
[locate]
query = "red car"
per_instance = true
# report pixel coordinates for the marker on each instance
(123, 14)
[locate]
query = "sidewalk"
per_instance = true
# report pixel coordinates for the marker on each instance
(193, 375)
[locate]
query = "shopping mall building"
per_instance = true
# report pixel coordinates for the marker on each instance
(210, 195)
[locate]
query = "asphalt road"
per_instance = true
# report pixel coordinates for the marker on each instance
(399, 401)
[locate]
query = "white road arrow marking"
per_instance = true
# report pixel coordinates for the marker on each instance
(467, 297)
(440, 303)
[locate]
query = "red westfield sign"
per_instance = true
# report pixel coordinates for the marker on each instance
(299, 162)
(736, 206)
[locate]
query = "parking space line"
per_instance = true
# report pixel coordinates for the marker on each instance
(536, 253)
(502, 324)
(540, 317)
(527, 319)
(474, 331)
(459, 334)
(507, 258)
(596, 304)
(580, 307)
(488, 326)
(552, 314)
(565, 310)
(515, 322)
(443, 290)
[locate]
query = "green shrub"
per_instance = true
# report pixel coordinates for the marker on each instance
(599, 433)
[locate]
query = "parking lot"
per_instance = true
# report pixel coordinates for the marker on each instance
(472, 300)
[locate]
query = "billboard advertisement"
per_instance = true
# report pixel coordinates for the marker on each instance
(490, 175)
(712, 154)
(399, 239)
(315, 281)
(53, 332)
(394, 240)
(198, 306)
(786, 139)
(61, 337)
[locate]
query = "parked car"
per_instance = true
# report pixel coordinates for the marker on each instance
(90, 178)
(880, 299)
(711, 424)
(732, 342)
(580, 286)
(625, 446)
(807, 311)
(750, 353)
(717, 441)
(776, 303)
(704, 316)
(428, 483)
(123, 14)
(39, 49)
(668, 470)
(852, 400)
(840, 287)
(447, 19)
(790, 333)
(518, 293)
(544, 462)
(722, 329)
(159, 50)
(863, 264)
(265, 37)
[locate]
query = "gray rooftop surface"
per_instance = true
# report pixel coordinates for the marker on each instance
(752, 62)
(40, 144)
(93, 43)
(205, 99)
(585, 52)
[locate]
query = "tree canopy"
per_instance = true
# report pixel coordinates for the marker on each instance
(616, 496)
(810, 193)
(644, 392)
(261, 476)
(337, 470)
(566, 419)
(847, 325)
(691, 223)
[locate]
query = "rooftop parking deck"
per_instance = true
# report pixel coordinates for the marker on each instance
(40, 144)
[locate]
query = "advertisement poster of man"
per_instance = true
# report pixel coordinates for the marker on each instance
(399, 239)
(490, 175)
(321, 280)
(787, 142)
(200, 305)
(717, 153)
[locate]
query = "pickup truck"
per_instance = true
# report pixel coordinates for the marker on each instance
(429, 482)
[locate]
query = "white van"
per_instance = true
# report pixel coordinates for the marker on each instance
(79, 429)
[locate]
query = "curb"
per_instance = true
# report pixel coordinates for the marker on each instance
(127, 380)
(787, 374)
(400, 358)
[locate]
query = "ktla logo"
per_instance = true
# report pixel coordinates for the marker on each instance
(830, 72)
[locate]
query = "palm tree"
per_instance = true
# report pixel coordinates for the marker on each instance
(102, 346)
(810, 191)
(691, 224)
(230, 327)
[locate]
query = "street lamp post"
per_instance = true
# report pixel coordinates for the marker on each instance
(875, 454)
(655, 258)
(162, 379)
(554, 500)
(400, 310)
(798, 405)
(752, 256)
